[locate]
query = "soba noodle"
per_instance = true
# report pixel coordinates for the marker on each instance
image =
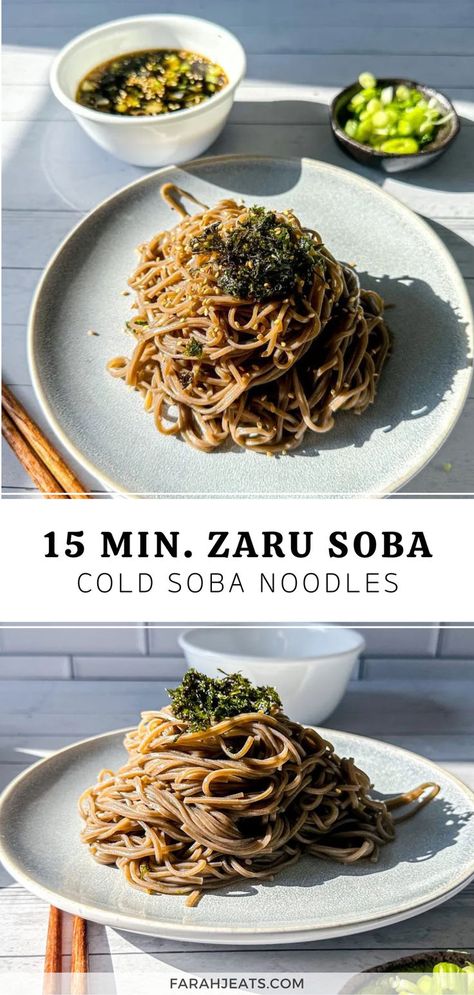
(190, 812)
(213, 367)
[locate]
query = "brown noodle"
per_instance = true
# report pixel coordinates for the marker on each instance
(194, 811)
(266, 372)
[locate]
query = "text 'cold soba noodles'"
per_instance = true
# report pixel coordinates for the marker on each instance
(248, 329)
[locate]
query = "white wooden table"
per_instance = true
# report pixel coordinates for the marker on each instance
(299, 54)
(431, 717)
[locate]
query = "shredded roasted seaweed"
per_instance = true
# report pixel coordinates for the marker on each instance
(202, 701)
(262, 257)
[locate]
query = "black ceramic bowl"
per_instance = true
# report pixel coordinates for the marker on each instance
(422, 962)
(392, 162)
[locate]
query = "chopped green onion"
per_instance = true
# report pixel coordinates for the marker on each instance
(400, 146)
(363, 131)
(402, 92)
(469, 970)
(374, 105)
(425, 984)
(350, 127)
(445, 119)
(380, 119)
(369, 92)
(398, 120)
(358, 100)
(366, 79)
(193, 348)
(424, 127)
(386, 95)
(405, 127)
(444, 972)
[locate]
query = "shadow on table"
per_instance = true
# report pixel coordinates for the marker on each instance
(462, 250)
(99, 949)
(451, 172)
(415, 848)
(71, 170)
(76, 170)
(430, 347)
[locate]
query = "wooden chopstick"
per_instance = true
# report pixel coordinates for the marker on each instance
(53, 956)
(79, 959)
(22, 429)
(36, 469)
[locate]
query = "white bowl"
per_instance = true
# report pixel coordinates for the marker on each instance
(160, 139)
(309, 666)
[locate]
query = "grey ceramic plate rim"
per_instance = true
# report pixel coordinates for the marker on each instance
(115, 486)
(276, 933)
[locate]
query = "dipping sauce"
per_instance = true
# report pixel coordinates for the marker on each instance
(158, 81)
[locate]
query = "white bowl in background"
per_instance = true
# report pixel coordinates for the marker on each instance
(309, 666)
(154, 140)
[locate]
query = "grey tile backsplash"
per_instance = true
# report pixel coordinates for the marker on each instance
(457, 642)
(143, 652)
(80, 639)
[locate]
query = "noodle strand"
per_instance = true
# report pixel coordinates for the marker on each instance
(190, 812)
(215, 368)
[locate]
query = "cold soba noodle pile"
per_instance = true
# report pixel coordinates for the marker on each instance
(248, 329)
(221, 786)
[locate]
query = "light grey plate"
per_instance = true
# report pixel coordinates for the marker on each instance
(431, 859)
(422, 389)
